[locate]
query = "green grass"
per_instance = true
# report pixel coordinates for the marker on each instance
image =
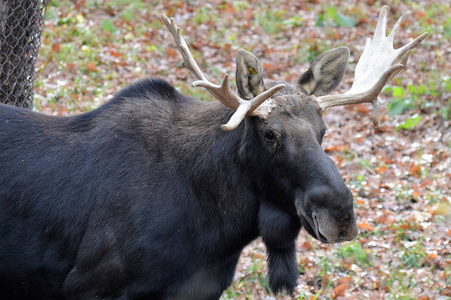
(354, 253)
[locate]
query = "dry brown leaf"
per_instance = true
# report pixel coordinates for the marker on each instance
(91, 66)
(56, 47)
(170, 52)
(340, 290)
(366, 226)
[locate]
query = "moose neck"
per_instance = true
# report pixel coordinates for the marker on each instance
(210, 154)
(221, 178)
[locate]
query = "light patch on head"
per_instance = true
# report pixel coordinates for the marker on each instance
(309, 87)
(252, 71)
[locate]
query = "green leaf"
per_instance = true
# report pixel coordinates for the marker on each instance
(331, 16)
(397, 106)
(446, 113)
(107, 25)
(448, 85)
(409, 123)
(388, 89)
(421, 90)
(331, 12)
(343, 21)
(417, 90)
(128, 14)
(399, 92)
(320, 22)
(294, 21)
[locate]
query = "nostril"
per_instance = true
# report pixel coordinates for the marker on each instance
(317, 228)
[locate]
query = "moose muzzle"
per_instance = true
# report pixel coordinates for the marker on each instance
(324, 203)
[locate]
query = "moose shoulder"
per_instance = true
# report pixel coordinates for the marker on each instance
(147, 197)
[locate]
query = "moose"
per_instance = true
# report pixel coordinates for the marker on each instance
(150, 197)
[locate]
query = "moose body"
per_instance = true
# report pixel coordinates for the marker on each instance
(139, 198)
(146, 197)
(119, 193)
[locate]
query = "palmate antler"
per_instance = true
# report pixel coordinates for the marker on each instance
(379, 63)
(260, 106)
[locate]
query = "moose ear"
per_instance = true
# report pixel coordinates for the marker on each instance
(325, 73)
(249, 75)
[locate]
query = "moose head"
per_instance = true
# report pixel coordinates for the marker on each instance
(287, 120)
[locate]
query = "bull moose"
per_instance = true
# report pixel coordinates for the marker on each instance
(149, 197)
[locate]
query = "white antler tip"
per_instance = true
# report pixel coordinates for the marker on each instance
(378, 64)
(276, 88)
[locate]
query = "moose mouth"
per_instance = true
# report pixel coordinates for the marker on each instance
(311, 224)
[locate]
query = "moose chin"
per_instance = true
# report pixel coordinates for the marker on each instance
(150, 197)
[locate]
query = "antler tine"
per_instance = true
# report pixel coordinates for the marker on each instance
(188, 59)
(395, 29)
(381, 26)
(260, 106)
(379, 63)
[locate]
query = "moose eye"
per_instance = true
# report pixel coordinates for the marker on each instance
(270, 137)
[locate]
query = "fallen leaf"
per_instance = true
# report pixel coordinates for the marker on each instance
(56, 47)
(361, 108)
(446, 292)
(333, 148)
(91, 66)
(325, 280)
(115, 54)
(432, 256)
(170, 52)
(420, 14)
(416, 194)
(307, 245)
(381, 170)
(340, 290)
(344, 280)
(415, 168)
(366, 226)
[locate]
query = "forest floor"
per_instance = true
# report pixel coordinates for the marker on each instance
(400, 174)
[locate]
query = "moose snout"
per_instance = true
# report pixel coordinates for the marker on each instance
(328, 214)
(334, 227)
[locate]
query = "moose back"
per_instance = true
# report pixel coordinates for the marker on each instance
(146, 197)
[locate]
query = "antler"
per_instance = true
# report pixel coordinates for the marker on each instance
(260, 106)
(379, 63)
